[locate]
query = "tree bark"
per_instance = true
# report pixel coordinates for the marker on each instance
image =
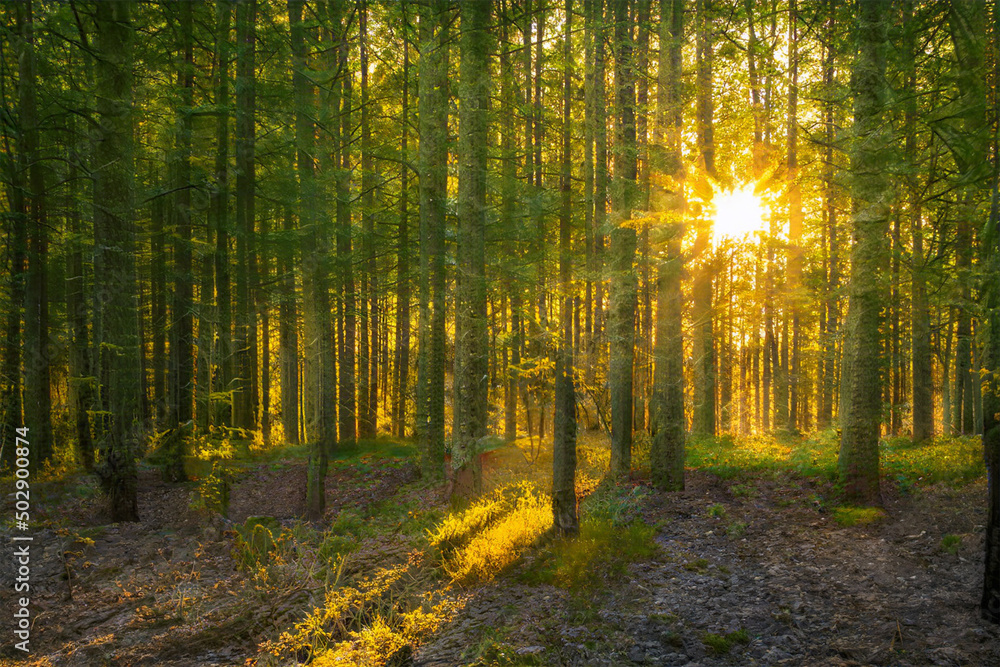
(471, 388)
(115, 234)
(433, 160)
(624, 285)
(37, 380)
(564, 424)
(861, 383)
(667, 409)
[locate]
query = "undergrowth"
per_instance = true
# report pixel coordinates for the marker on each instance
(612, 536)
(944, 459)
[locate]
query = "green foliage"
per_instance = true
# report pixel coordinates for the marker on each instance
(945, 459)
(696, 565)
(617, 505)
(460, 526)
(257, 540)
(212, 494)
(736, 529)
(717, 511)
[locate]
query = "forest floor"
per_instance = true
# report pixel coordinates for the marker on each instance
(753, 564)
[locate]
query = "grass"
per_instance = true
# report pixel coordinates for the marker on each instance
(611, 537)
(951, 544)
(479, 542)
(719, 645)
(857, 516)
(945, 459)
(492, 650)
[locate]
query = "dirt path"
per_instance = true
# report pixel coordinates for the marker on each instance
(769, 560)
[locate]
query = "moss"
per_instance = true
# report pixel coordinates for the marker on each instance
(854, 516)
(719, 645)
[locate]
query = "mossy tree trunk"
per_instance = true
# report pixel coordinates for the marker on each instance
(471, 389)
(667, 447)
(564, 421)
(861, 377)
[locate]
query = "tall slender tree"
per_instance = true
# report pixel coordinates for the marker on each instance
(861, 383)
(623, 246)
(667, 450)
(471, 336)
(37, 380)
(701, 291)
(564, 420)
(433, 162)
(115, 298)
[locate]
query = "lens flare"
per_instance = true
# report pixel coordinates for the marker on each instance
(739, 213)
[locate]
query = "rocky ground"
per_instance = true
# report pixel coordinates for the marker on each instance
(771, 562)
(167, 590)
(746, 572)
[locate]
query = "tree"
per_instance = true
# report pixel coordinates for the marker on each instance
(245, 340)
(37, 393)
(623, 245)
(564, 420)
(923, 392)
(401, 375)
(115, 240)
(433, 161)
(317, 311)
(181, 376)
(861, 384)
(701, 293)
(347, 408)
(471, 340)
(220, 214)
(667, 451)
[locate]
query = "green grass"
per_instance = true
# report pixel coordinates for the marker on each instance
(857, 516)
(719, 645)
(602, 552)
(951, 544)
(945, 459)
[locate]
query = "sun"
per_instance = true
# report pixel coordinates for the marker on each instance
(738, 214)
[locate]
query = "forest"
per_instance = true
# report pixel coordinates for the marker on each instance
(500, 332)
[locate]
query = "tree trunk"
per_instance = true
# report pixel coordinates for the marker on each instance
(246, 324)
(181, 377)
(368, 348)
(401, 375)
(114, 231)
(471, 387)
(667, 409)
(701, 292)
(860, 392)
(564, 421)
(288, 338)
(37, 382)
(794, 220)
(433, 160)
(347, 410)
(220, 209)
(624, 284)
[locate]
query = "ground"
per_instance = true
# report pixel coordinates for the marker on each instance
(752, 567)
